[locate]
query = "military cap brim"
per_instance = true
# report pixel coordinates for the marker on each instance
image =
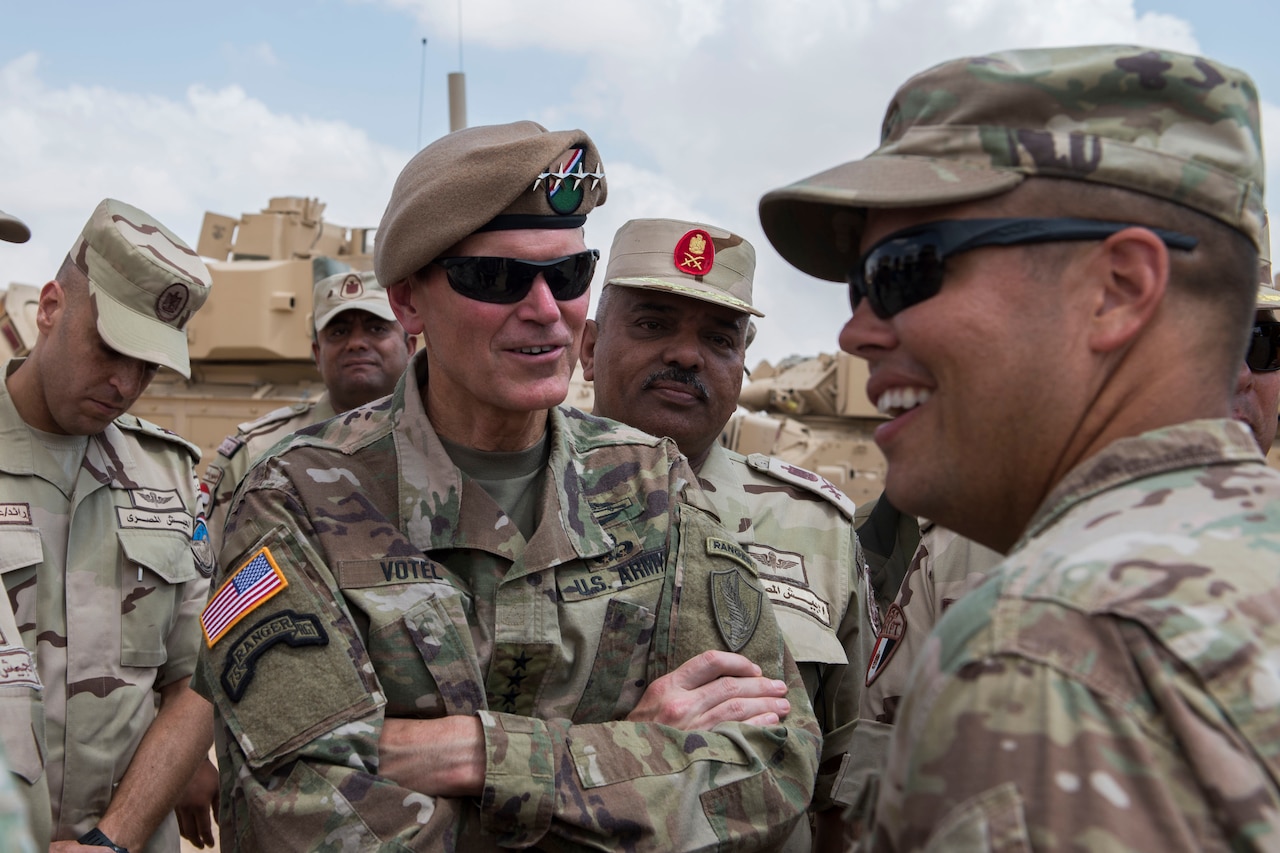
(814, 222)
(13, 229)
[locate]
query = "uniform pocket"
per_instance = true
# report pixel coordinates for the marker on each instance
(618, 674)
(438, 627)
(154, 567)
(20, 547)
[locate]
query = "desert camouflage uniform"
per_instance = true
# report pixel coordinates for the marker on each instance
(117, 620)
(889, 540)
(238, 452)
(13, 814)
(411, 594)
(21, 723)
(1116, 683)
(799, 529)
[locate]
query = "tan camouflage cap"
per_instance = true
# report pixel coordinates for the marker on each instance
(348, 291)
(1177, 127)
(491, 178)
(686, 258)
(144, 282)
(13, 229)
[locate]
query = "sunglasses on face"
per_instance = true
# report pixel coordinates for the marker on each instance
(507, 280)
(1263, 355)
(908, 266)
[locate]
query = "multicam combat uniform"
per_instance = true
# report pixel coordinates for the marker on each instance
(106, 592)
(411, 594)
(799, 529)
(1115, 684)
(237, 453)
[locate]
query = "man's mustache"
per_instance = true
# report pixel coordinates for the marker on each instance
(677, 374)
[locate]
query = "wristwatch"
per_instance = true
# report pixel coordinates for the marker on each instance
(96, 838)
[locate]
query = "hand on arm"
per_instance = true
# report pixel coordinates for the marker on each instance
(712, 688)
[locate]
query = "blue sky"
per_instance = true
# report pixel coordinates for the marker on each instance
(698, 106)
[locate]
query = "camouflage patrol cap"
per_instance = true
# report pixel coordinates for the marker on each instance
(491, 178)
(13, 229)
(144, 281)
(1177, 127)
(348, 291)
(686, 258)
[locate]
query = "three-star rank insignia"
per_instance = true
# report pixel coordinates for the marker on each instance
(695, 253)
(887, 641)
(564, 184)
(736, 602)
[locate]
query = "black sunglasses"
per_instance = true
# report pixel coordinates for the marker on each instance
(507, 280)
(908, 266)
(1263, 355)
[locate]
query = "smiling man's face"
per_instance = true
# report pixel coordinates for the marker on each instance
(982, 382)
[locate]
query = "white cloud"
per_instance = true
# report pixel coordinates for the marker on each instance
(218, 150)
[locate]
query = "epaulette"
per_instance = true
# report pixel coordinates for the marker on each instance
(133, 423)
(275, 416)
(796, 476)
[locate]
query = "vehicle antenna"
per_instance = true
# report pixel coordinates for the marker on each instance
(422, 90)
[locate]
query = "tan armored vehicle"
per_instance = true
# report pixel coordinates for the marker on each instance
(251, 342)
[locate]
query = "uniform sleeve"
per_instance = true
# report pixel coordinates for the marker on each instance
(302, 709)
(1031, 728)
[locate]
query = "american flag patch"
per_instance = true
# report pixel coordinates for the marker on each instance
(252, 584)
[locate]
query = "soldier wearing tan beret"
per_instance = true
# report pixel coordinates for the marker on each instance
(462, 618)
(105, 556)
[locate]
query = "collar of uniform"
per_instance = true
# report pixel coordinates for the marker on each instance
(427, 470)
(1185, 445)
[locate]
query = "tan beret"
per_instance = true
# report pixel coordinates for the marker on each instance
(348, 291)
(144, 282)
(490, 178)
(686, 258)
(13, 229)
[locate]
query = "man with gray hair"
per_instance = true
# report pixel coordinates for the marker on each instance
(1052, 259)
(360, 350)
(462, 618)
(105, 559)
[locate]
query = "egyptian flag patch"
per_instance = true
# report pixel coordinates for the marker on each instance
(255, 582)
(887, 641)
